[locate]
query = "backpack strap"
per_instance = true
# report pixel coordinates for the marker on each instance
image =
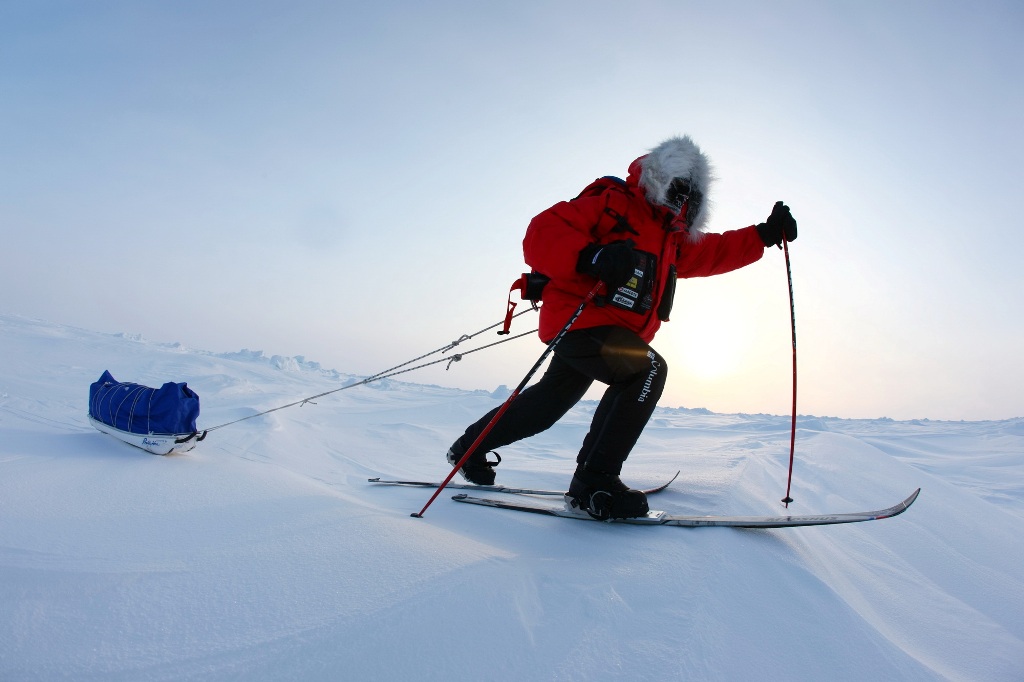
(615, 191)
(601, 185)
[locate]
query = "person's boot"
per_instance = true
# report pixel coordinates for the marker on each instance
(477, 469)
(604, 496)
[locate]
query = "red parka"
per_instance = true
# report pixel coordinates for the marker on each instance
(556, 236)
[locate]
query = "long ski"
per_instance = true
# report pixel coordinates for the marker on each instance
(660, 518)
(501, 488)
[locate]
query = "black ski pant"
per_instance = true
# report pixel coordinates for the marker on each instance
(634, 372)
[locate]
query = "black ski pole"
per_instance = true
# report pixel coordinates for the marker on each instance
(515, 394)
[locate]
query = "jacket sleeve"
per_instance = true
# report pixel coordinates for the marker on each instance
(714, 254)
(556, 236)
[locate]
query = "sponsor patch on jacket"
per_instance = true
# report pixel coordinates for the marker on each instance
(637, 295)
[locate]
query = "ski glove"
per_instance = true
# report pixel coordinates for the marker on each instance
(780, 222)
(611, 263)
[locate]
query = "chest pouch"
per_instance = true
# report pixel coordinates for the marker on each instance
(637, 294)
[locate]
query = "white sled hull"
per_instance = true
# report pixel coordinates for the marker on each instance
(157, 444)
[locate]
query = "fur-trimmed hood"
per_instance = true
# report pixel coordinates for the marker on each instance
(676, 157)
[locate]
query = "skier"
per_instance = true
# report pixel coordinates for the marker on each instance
(636, 236)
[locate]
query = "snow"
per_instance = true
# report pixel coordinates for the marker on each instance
(264, 554)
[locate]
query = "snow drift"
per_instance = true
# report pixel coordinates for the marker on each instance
(263, 554)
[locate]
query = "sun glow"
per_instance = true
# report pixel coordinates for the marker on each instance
(712, 348)
(708, 338)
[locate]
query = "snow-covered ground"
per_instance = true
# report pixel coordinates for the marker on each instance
(264, 554)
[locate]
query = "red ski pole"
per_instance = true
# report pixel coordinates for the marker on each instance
(792, 319)
(515, 394)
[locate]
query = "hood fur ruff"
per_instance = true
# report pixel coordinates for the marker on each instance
(677, 157)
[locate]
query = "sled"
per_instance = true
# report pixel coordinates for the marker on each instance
(161, 420)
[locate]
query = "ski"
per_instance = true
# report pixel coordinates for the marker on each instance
(501, 488)
(661, 518)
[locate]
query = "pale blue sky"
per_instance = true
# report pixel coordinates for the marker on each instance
(351, 181)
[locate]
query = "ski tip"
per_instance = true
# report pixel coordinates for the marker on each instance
(901, 507)
(460, 496)
(373, 480)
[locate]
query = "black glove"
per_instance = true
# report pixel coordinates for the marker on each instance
(611, 263)
(780, 222)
